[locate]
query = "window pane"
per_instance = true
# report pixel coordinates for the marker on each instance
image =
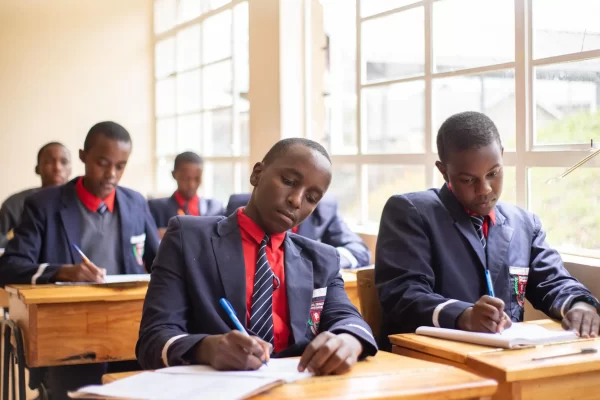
(217, 131)
(219, 180)
(188, 91)
(188, 48)
(244, 178)
(165, 97)
(563, 27)
(189, 133)
(345, 188)
(216, 37)
(394, 118)
(164, 15)
(164, 58)
(492, 93)
(165, 184)
(370, 7)
(339, 21)
(244, 121)
(463, 31)
(567, 97)
(570, 221)
(388, 180)
(394, 46)
(165, 137)
(217, 85)
(214, 4)
(241, 47)
(188, 10)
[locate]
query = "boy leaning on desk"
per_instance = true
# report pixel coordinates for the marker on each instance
(458, 258)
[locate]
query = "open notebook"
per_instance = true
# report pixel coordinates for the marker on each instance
(517, 336)
(196, 382)
(113, 279)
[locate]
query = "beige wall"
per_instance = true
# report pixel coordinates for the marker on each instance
(66, 64)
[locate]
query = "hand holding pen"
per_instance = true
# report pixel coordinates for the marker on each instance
(85, 271)
(486, 315)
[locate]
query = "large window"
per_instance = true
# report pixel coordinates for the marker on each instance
(201, 72)
(395, 69)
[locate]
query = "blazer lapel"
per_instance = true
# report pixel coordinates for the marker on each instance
(308, 228)
(499, 237)
(71, 218)
(173, 207)
(299, 287)
(462, 222)
(229, 253)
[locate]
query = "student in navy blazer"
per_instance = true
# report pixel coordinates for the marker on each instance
(324, 225)
(110, 224)
(203, 260)
(187, 171)
(435, 247)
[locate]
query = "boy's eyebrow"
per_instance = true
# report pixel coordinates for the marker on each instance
(293, 171)
(468, 174)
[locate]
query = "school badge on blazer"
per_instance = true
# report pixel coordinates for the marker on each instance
(137, 245)
(316, 308)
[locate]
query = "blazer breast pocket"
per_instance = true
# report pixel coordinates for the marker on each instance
(138, 243)
(517, 282)
(316, 308)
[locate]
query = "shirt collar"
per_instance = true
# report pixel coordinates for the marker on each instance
(181, 201)
(92, 202)
(492, 214)
(255, 232)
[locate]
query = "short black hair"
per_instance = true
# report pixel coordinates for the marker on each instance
(44, 147)
(188, 157)
(283, 145)
(108, 129)
(465, 131)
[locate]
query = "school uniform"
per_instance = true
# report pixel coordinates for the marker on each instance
(432, 255)
(323, 225)
(165, 208)
(203, 260)
(116, 233)
(10, 213)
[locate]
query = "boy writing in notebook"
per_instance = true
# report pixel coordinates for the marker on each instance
(435, 248)
(110, 224)
(285, 289)
(185, 201)
(54, 168)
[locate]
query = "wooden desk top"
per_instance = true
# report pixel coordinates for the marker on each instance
(349, 279)
(50, 294)
(3, 298)
(450, 350)
(384, 376)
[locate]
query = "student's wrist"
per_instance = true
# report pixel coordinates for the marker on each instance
(64, 273)
(464, 320)
(205, 350)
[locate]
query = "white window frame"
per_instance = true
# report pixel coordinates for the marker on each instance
(523, 157)
(237, 159)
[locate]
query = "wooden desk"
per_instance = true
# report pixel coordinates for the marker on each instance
(518, 375)
(77, 324)
(351, 287)
(385, 376)
(3, 299)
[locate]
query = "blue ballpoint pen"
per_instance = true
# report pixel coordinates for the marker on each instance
(231, 312)
(488, 280)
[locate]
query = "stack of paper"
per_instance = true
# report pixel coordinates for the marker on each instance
(196, 382)
(517, 336)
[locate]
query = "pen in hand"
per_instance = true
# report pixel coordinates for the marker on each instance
(231, 313)
(86, 260)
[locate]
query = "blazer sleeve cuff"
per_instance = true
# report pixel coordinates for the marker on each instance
(178, 349)
(347, 259)
(46, 273)
(446, 314)
(364, 336)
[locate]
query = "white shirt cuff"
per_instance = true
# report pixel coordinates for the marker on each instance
(344, 252)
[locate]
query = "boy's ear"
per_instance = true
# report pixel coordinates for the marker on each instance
(173, 174)
(82, 155)
(256, 172)
(37, 169)
(442, 168)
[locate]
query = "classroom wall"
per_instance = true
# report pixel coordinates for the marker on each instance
(65, 65)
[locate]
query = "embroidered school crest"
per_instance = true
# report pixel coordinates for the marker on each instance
(138, 252)
(520, 287)
(316, 308)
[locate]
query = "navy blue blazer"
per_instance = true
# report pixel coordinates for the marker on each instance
(324, 225)
(201, 260)
(51, 223)
(430, 264)
(164, 209)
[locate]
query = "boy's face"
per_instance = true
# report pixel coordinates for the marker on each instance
(189, 178)
(105, 163)
(287, 190)
(54, 166)
(476, 177)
